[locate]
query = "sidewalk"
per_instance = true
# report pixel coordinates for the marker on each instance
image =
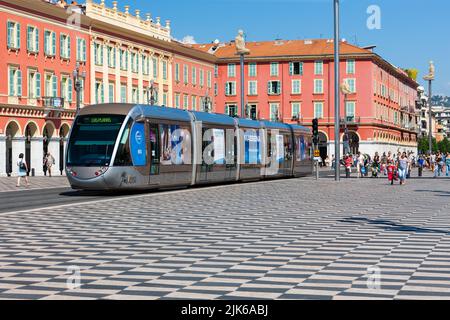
(9, 183)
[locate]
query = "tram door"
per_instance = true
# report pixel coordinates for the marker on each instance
(154, 153)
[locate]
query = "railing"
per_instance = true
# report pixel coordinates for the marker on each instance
(53, 102)
(350, 120)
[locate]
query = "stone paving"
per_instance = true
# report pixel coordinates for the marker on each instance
(9, 183)
(283, 239)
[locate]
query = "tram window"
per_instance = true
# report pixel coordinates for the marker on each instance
(123, 156)
(175, 144)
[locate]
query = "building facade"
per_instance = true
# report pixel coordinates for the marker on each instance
(293, 81)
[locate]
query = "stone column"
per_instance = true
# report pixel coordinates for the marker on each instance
(129, 78)
(92, 71)
(117, 72)
(170, 82)
(105, 68)
(53, 148)
(160, 80)
(3, 156)
(18, 147)
(140, 77)
(37, 155)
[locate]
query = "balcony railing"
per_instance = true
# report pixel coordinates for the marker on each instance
(53, 102)
(350, 120)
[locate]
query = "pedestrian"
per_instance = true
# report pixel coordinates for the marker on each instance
(44, 164)
(348, 160)
(447, 164)
(333, 162)
(49, 162)
(420, 164)
(402, 164)
(391, 171)
(360, 165)
(22, 170)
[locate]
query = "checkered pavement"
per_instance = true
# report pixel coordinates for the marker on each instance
(284, 239)
(9, 183)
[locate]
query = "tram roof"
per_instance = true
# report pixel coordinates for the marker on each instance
(213, 118)
(300, 128)
(248, 123)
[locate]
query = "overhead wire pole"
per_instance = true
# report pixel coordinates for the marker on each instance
(336, 93)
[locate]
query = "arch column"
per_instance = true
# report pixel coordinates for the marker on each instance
(3, 156)
(18, 147)
(37, 155)
(53, 148)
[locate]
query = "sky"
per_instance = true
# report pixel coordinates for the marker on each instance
(407, 33)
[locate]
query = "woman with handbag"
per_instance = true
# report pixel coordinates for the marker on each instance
(22, 170)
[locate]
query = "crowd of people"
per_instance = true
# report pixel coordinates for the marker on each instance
(394, 166)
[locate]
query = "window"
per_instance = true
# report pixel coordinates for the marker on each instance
(351, 66)
(231, 70)
(318, 67)
(51, 85)
(194, 103)
(318, 86)
(230, 88)
(274, 69)
(155, 68)
(216, 70)
(50, 43)
(111, 92)
(66, 88)
(177, 100)
(296, 68)
(164, 69)
(274, 87)
(64, 46)
(123, 59)
(202, 78)
(34, 84)
(98, 54)
(99, 93)
(295, 109)
(185, 101)
(231, 110)
(32, 39)
(111, 57)
(145, 65)
(296, 87)
(318, 110)
(350, 110)
(164, 99)
(82, 89)
(209, 79)
(351, 84)
(81, 50)
(274, 112)
(185, 74)
(13, 35)
(216, 89)
(15, 82)
(134, 62)
(177, 72)
(194, 76)
(135, 95)
(252, 88)
(252, 69)
(123, 93)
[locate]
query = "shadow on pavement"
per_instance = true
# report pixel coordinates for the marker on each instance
(392, 226)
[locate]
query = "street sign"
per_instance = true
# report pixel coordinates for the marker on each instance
(316, 153)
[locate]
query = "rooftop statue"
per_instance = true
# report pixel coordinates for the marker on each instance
(240, 43)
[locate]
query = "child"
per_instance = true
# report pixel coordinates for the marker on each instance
(392, 172)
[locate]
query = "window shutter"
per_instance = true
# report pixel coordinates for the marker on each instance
(102, 93)
(291, 68)
(11, 82)
(95, 53)
(19, 83)
(269, 88)
(10, 32)
(114, 57)
(38, 85)
(279, 87)
(37, 40)
(61, 46)
(83, 42)
(70, 90)
(61, 89)
(301, 68)
(29, 38)
(68, 47)
(54, 43)
(18, 36)
(55, 85)
(45, 42)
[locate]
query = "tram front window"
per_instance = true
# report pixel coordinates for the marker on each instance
(92, 140)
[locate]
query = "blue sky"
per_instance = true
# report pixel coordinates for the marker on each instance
(412, 33)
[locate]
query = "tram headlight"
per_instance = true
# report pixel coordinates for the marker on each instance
(71, 172)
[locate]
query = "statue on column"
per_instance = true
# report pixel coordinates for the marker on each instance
(430, 75)
(240, 43)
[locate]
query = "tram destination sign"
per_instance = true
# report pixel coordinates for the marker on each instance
(101, 120)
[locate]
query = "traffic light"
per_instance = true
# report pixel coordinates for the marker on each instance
(315, 127)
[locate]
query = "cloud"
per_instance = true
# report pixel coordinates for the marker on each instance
(189, 40)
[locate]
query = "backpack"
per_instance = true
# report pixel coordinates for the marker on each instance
(22, 165)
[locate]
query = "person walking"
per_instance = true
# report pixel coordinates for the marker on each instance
(49, 162)
(402, 167)
(348, 160)
(420, 164)
(22, 170)
(360, 164)
(447, 164)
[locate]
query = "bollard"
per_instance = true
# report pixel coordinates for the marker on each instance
(32, 172)
(420, 171)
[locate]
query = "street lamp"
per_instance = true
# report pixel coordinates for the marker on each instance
(206, 101)
(151, 89)
(429, 78)
(241, 50)
(345, 89)
(77, 75)
(337, 172)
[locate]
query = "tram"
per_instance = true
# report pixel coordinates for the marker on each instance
(127, 146)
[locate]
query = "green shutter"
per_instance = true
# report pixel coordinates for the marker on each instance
(84, 49)
(301, 68)
(37, 40)
(53, 43)
(70, 90)
(29, 39)
(19, 83)
(45, 42)
(95, 54)
(291, 68)
(101, 55)
(102, 93)
(61, 46)
(38, 85)
(18, 36)
(55, 86)
(10, 32)
(68, 47)
(269, 88)
(11, 82)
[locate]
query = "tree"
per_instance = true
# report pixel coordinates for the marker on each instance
(422, 145)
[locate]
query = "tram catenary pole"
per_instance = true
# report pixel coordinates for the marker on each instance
(337, 168)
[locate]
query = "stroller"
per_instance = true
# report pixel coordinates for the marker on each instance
(392, 173)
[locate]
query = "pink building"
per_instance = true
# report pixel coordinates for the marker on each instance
(293, 81)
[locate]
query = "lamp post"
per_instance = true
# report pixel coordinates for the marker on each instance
(345, 141)
(430, 78)
(151, 89)
(77, 75)
(241, 50)
(337, 168)
(206, 101)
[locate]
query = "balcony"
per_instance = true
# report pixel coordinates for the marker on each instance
(350, 120)
(53, 104)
